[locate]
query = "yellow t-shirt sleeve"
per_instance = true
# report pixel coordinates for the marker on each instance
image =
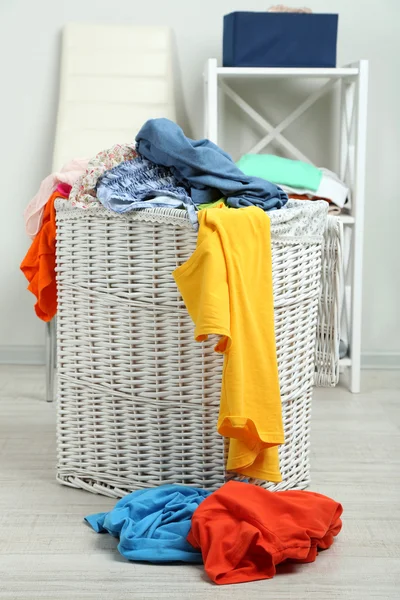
(203, 284)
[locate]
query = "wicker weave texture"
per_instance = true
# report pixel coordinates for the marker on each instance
(138, 398)
(328, 324)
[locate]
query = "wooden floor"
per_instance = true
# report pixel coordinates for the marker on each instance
(46, 551)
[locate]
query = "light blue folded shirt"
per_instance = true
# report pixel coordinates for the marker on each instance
(281, 171)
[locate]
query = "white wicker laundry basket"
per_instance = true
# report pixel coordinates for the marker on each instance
(138, 398)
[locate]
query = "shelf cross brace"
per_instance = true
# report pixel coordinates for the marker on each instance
(275, 133)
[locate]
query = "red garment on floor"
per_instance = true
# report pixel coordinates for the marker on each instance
(39, 263)
(244, 531)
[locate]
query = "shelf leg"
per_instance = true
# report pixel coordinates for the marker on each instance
(358, 230)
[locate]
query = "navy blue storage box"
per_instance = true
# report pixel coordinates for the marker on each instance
(262, 39)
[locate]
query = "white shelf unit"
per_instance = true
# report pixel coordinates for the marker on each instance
(353, 80)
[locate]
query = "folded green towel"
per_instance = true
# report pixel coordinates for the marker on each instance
(278, 170)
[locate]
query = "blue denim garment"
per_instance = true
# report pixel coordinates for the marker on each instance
(210, 172)
(137, 184)
(152, 525)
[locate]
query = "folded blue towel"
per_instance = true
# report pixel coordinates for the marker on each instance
(152, 525)
(210, 172)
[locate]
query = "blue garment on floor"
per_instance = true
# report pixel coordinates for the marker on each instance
(152, 525)
(210, 172)
(139, 183)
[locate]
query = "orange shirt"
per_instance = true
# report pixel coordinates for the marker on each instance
(244, 531)
(39, 263)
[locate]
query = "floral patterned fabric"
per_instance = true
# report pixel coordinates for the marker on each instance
(83, 193)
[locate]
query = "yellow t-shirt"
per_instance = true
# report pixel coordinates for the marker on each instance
(227, 288)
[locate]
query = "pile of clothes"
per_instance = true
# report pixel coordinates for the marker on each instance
(163, 169)
(241, 532)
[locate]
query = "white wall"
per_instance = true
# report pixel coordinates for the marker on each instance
(29, 44)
